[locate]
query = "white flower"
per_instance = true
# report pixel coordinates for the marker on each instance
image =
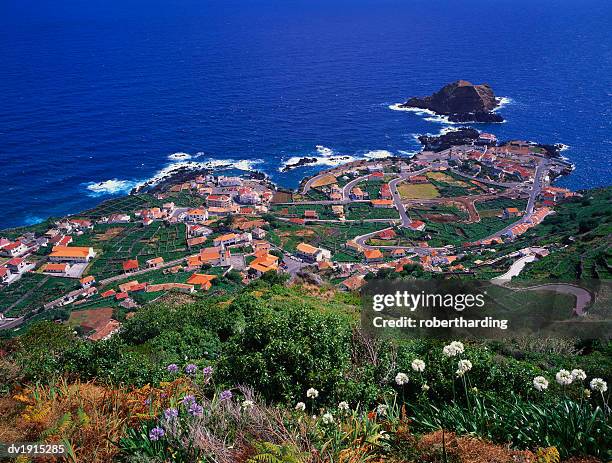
(418, 365)
(464, 367)
(599, 385)
(248, 404)
(401, 379)
(578, 374)
(327, 418)
(540, 383)
(312, 393)
(586, 393)
(564, 377)
(344, 406)
(453, 349)
(425, 387)
(382, 409)
(300, 406)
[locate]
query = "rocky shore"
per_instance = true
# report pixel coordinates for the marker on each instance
(461, 136)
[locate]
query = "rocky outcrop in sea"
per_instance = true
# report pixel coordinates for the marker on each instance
(460, 101)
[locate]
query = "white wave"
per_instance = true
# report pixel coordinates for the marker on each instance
(408, 153)
(173, 168)
(179, 157)
(378, 154)
(563, 147)
(330, 158)
(419, 111)
(324, 151)
(110, 187)
(503, 101)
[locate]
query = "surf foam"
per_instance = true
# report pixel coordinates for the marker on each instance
(110, 187)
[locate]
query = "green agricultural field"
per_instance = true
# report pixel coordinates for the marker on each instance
(362, 211)
(124, 204)
(418, 191)
(117, 243)
(32, 291)
(297, 210)
(441, 213)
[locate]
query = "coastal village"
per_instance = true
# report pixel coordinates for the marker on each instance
(439, 212)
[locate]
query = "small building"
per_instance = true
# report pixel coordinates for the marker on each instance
(510, 212)
(419, 179)
(88, 281)
(16, 249)
(196, 215)
(229, 181)
(231, 239)
(264, 263)
(202, 280)
(357, 194)
(130, 266)
(5, 275)
(155, 262)
(417, 225)
(17, 265)
(55, 268)
(338, 209)
(382, 203)
(221, 201)
(312, 254)
(486, 139)
(388, 234)
(310, 214)
(385, 191)
(109, 293)
(258, 233)
(353, 283)
(373, 256)
(398, 253)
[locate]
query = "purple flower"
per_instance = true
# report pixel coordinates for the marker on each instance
(225, 395)
(188, 399)
(207, 371)
(195, 409)
(172, 368)
(156, 433)
(191, 369)
(147, 401)
(170, 413)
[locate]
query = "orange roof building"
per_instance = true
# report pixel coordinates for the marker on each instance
(388, 203)
(55, 268)
(71, 254)
(130, 265)
(264, 263)
(87, 281)
(201, 280)
(372, 255)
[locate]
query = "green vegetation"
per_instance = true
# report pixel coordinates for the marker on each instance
(117, 243)
(32, 291)
(417, 191)
(277, 342)
(361, 211)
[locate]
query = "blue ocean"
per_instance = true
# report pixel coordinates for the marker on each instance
(98, 96)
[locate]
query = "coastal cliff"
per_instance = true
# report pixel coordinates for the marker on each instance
(461, 101)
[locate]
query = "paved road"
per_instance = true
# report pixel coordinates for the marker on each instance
(346, 189)
(9, 324)
(538, 183)
(397, 198)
